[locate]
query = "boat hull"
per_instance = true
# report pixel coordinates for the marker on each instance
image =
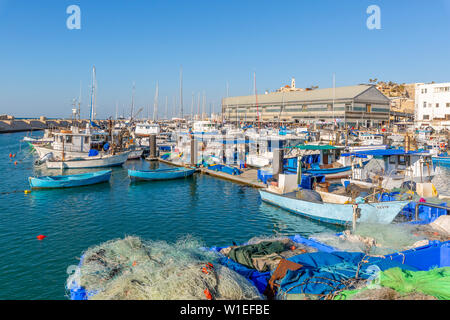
(43, 150)
(165, 174)
(340, 214)
(92, 162)
(70, 181)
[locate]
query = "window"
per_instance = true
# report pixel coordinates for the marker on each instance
(401, 160)
(426, 117)
(424, 104)
(86, 140)
(448, 105)
(69, 139)
(348, 107)
(392, 159)
(437, 105)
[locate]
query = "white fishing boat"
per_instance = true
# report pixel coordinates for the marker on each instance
(146, 129)
(99, 161)
(392, 168)
(333, 209)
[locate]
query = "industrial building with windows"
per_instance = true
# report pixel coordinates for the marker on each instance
(356, 105)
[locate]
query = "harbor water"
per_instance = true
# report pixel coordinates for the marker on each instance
(216, 211)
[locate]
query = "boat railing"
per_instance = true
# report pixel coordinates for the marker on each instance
(431, 205)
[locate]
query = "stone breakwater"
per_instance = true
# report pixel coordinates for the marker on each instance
(19, 125)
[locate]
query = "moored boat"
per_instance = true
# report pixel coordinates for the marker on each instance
(161, 174)
(89, 162)
(335, 213)
(69, 181)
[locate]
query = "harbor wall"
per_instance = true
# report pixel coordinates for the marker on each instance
(20, 125)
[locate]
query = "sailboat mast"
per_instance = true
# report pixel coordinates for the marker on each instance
(256, 98)
(192, 106)
(181, 91)
(92, 96)
(132, 102)
(167, 108)
(155, 104)
(79, 104)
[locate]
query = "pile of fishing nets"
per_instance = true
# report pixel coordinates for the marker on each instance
(134, 269)
(398, 284)
(376, 239)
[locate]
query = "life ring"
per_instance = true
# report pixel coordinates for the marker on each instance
(442, 145)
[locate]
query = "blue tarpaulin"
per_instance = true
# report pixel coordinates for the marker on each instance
(324, 273)
(93, 153)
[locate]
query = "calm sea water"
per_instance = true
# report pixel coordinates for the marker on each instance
(216, 211)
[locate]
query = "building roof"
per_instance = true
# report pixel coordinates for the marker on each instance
(340, 93)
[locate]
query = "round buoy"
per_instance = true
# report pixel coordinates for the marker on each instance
(41, 237)
(26, 191)
(15, 163)
(10, 155)
(14, 155)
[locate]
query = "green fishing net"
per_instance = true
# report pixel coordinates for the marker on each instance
(134, 269)
(399, 284)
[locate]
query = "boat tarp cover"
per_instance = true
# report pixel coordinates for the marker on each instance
(324, 273)
(435, 282)
(245, 254)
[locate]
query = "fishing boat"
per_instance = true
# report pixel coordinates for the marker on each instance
(161, 174)
(89, 162)
(334, 209)
(392, 168)
(69, 181)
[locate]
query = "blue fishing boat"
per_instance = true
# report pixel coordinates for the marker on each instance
(441, 161)
(161, 174)
(328, 171)
(331, 211)
(68, 181)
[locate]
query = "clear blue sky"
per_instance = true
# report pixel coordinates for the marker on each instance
(145, 41)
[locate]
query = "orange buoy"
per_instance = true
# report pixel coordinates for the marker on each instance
(293, 248)
(207, 294)
(10, 155)
(134, 264)
(41, 237)
(204, 270)
(15, 163)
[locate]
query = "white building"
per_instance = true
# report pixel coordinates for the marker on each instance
(433, 105)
